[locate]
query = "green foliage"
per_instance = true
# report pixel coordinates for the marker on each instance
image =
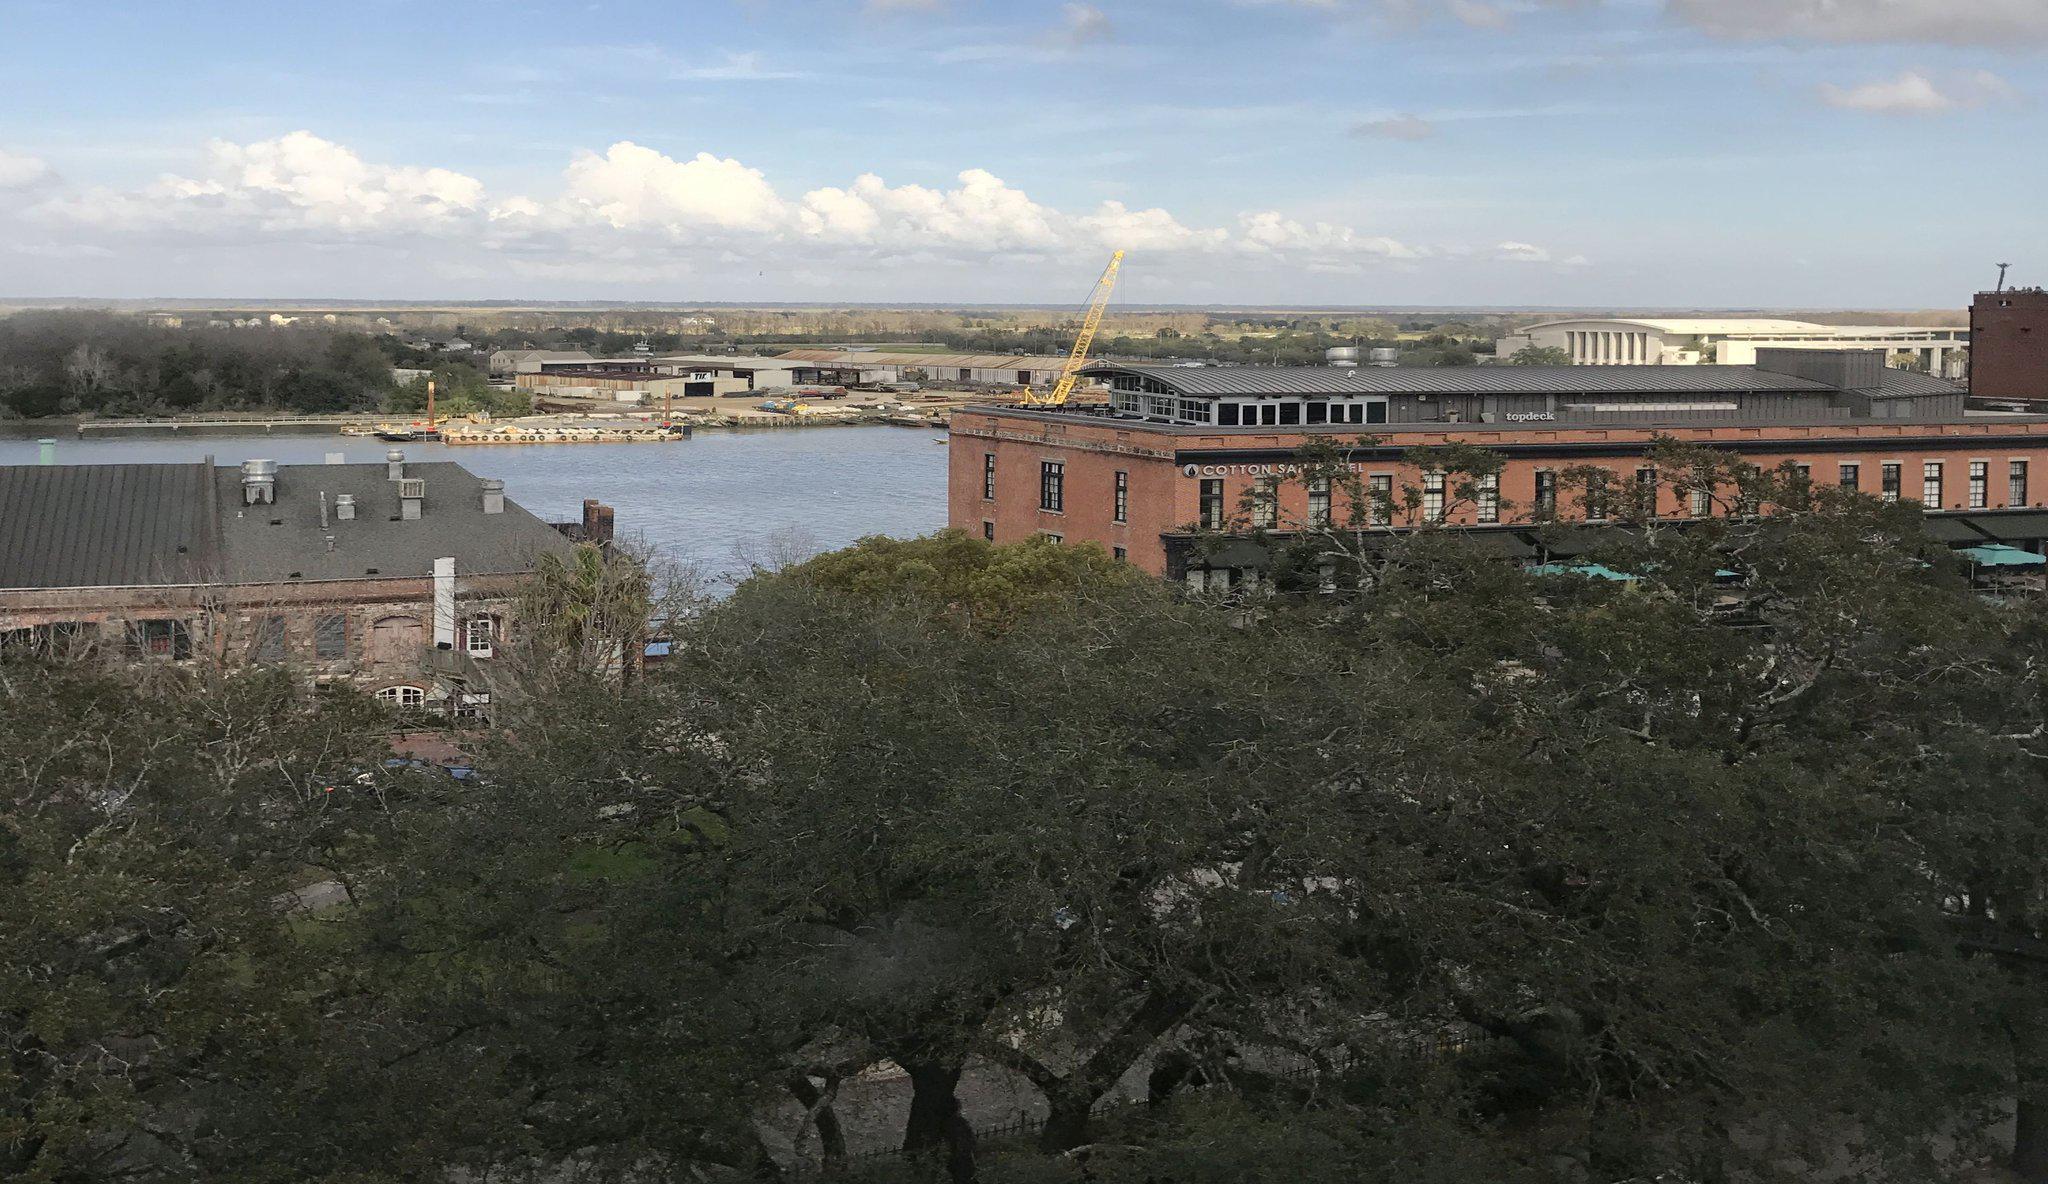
(73, 363)
(1546, 355)
(952, 573)
(459, 389)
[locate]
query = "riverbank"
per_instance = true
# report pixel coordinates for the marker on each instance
(735, 419)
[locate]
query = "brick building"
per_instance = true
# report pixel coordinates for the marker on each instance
(1179, 449)
(2009, 350)
(396, 577)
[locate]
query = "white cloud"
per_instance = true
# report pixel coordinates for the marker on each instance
(1951, 22)
(1914, 93)
(737, 67)
(1086, 23)
(1270, 231)
(294, 182)
(636, 215)
(18, 171)
(632, 186)
(1405, 126)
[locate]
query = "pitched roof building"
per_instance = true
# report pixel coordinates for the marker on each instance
(396, 576)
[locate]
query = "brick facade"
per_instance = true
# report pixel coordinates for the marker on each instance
(2009, 345)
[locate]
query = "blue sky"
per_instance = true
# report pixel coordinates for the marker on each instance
(1649, 153)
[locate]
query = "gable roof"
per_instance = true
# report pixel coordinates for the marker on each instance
(159, 525)
(103, 526)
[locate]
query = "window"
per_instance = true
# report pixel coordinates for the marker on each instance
(1930, 485)
(1852, 476)
(1266, 502)
(1226, 415)
(1051, 537)
(1052, 486)
(988, 530)
(1489, 497)
(1703, 502)
(1646, 490)
(473, 708)
(1980, 484)
(1889, 475)
(1546, 494)
(159, 639)
(479, 634)
(1433, 497)
(1317, 412)
(266, 641)
(404, 696)
(1597, 495)
(988, 476)
(1375, 412)
(1802, 471)
(1212, 503)
(1119, 554)
(330, 637)
(1290, 414)
(1123, 496)
(2016, 484)
(1023, 378)
(1379, 499)
(1319, 501)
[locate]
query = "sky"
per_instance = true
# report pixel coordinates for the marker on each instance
(1521, 153)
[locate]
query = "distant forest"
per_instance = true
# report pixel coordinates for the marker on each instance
(65, 362)
(90, 363)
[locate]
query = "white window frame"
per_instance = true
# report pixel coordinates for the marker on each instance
(490, 635)
(404, 695)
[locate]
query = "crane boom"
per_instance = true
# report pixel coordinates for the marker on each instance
(1098, 303)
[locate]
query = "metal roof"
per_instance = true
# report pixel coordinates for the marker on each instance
(1464, 380)
(102, 526)
(861, 357)
(1746, 327)
(281, 542)
(142, 525)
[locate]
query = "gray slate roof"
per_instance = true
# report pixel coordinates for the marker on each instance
(103, 526)
(138, 525)
(1484, 380)
(262, 544)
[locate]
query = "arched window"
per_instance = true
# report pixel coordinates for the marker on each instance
(404, 696)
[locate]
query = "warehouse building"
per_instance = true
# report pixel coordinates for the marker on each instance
(1178, 450)
(399, 578)
(873, 367)
(1733, 342)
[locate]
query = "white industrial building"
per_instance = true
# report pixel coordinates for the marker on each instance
(1940, 351)
(864, 367)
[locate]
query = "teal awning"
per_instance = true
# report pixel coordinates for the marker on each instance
(1591, 571)
(2000, 555)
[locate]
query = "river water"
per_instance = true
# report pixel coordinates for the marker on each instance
(716, 503)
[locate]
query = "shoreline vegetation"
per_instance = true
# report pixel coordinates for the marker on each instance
(64, 364)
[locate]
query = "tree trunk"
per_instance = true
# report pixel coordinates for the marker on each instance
(831, 1138)
(2030, 1132)
(1066, 1124)
(932, 1101)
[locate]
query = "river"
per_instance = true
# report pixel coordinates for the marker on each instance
(716, 503)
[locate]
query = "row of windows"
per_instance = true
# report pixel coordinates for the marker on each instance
(1155, 401)
(1052, 482)
(1052, 488)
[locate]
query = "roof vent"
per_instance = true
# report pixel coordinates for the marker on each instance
(344, 507)
(259, 482)
(412, 491)
(394, 465)
(1343, 356)
(494, 496)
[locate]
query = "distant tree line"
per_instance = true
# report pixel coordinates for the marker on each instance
(1432, 870)
(90, 363)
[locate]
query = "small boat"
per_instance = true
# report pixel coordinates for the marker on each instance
(396, 435)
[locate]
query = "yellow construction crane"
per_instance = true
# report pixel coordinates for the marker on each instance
(1098, 303)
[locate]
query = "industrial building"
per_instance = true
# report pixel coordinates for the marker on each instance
(1178, 449)
(1733, 342)
(874, 367)
(398, 577)
(505, 363)
(2010, 357)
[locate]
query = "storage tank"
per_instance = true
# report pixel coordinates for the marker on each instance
(1342, 355)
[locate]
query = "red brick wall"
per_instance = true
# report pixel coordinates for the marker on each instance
(1164, 498)
(2009, 345)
